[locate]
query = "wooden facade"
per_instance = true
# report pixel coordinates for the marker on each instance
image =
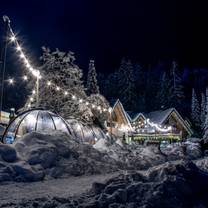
(158, 128)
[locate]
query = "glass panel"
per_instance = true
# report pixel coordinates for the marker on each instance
(45, 122)
(28, 124)
(59, 123)
(77, 128)
(88, 134)
(10, 135)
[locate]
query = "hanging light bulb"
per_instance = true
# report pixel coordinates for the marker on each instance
(25, 78)
(11, 81)
(22, 56)
(12, 38)
(19, 48)
(48, 83)
(73, 97)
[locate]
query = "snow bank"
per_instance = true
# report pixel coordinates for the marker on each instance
(40, 156)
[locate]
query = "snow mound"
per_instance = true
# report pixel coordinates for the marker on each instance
(39, 156)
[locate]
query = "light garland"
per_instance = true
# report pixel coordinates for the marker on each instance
(158, 126)
(36, 73)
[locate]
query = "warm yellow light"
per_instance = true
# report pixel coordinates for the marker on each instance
(74, 97)
(11, 81)
(25, 78)
(12, 38)
(19, 48)
(48, 83)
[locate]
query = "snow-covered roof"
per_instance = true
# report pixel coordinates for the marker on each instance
(125, 114)
(159, 116)
(137, 116)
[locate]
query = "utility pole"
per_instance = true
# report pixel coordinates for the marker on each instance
(3, 58)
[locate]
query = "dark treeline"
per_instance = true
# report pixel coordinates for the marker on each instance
(145, 89)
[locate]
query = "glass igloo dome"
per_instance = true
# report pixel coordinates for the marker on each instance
(34, 120)
(45, 121)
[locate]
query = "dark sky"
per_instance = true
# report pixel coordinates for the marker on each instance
(145, 31)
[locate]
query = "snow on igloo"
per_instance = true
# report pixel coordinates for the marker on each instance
(45, 121)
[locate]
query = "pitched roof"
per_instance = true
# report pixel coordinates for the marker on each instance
(125, 114)
(159, 116)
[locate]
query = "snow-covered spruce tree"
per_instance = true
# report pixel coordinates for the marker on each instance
(203, 110)
(60, 69)
(176, 90)
(205, 136)
(195, 109)
(126, 85)
(92, 86)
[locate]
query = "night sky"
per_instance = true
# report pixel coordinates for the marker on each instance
(145, 31)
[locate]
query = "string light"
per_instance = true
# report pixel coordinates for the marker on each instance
(33, 92)
(25, 78)
(36, 73)
(158, 126)
(11, 81)
(48, 83)
(12, 38)
(19, 48)
(73, 97)
(31, 99)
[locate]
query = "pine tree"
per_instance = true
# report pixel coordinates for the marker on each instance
(92, 86)
(176, 90)
(206, 118)
(203, 110)
(195, 109)
(126, 85)
(163, 96)
(59, 68)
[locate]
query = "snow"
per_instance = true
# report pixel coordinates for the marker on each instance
(61, 172)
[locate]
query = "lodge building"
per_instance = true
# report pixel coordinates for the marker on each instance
(158, 125)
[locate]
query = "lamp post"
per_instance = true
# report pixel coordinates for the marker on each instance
(3, 59)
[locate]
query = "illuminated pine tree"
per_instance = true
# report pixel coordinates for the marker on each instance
(206, 118)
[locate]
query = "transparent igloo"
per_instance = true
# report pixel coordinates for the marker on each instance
(45, 121)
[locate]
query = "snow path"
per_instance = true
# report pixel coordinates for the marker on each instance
(14, 192)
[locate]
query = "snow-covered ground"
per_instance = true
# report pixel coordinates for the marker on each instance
(54, 170)
(13, 192)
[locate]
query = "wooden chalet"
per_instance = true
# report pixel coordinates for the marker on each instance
(158, 125)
